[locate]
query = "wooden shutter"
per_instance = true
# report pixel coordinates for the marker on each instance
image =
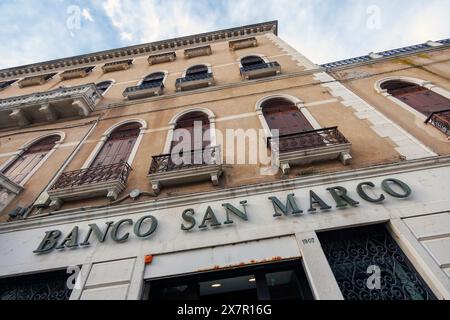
(417, 97)
(285, 116)
(27, 161)
(187, 122)
(117, 148)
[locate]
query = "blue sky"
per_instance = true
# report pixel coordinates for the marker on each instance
(323, 30)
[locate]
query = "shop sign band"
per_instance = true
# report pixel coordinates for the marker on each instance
(146, 226)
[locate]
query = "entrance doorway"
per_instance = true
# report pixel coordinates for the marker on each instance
(275, 281)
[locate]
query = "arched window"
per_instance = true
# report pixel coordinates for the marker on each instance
(103, 86)
(153, 80)
(285, 116)
(417, 97)
(21, 167)
(188, 122)
(250, 61)
(118, 146)
(199, 70)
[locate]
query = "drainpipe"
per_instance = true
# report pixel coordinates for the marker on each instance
(64, 166)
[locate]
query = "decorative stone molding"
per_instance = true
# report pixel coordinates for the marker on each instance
(143, 49)
(8, 191)
(49, 105)
(198, 51)
(75, 73)
(35, 80)
(162, 57)
(117, 66)
(242, 43)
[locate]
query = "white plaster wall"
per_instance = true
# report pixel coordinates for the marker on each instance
(111, 262)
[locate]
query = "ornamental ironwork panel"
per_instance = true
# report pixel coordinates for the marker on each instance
(107, 173)
(351, 252)
(47, 286)
(308, 140)
(191, 159)
(441, 120)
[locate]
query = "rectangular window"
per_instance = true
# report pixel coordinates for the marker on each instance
(277, 281)
(369, 265)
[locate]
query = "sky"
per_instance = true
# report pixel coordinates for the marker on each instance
(322, 30)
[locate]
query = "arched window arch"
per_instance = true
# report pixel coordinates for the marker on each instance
(104, 86)
(390, 88)
(252, 60)
(155, 79)
(23, 166)
(285, 113)
(186, 119)
(416, 96)
(198, 70)
(118, 144)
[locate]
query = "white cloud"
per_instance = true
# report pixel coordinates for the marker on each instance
(87, 15)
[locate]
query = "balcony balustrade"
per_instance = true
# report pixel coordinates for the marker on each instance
(108, 180)
(144, 90)
(63, 102)
(260, 70)
(440, 120)
(197, 51)
(196, 165)
(194, 81)
(75, 73)
(35, 80)
(117, 66)
(161, 57)
(243, 43)
(310, 146)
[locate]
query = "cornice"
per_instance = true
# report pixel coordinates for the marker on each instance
(87, 214)
(139, 50)
(383, 56)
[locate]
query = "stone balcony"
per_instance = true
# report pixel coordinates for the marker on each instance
(310, 146)
(35, 80)
(161, 58)
(243, 43)
(198, 165)
(197, 51)
(117, 66)
(194, 81)
(440, 120)
(8, 191)
(260, 70)
(75, 73)
(149, 89)
(64, 102)
(101, 181)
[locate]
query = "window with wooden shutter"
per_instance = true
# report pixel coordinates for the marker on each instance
(118, 146)
(421, 99)
(27, 161)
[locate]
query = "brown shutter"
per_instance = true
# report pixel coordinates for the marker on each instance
(285, 116)
(118, 147)
(417, 97)
(187, 122)
(27, 161)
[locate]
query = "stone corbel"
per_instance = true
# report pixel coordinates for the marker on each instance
(345, 158)
(156, 187)
(48, 112)
(215, 179)
(285, 167)
(83, 109)
(56, 204)
(19, 116)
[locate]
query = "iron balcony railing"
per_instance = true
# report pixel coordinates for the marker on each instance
(195, 158)
(258, 66)
(145, 86)
(308, 139)
(108, 173)
(441, 120)
(194, 77)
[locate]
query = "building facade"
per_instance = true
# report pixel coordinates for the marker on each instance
(303, 181)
